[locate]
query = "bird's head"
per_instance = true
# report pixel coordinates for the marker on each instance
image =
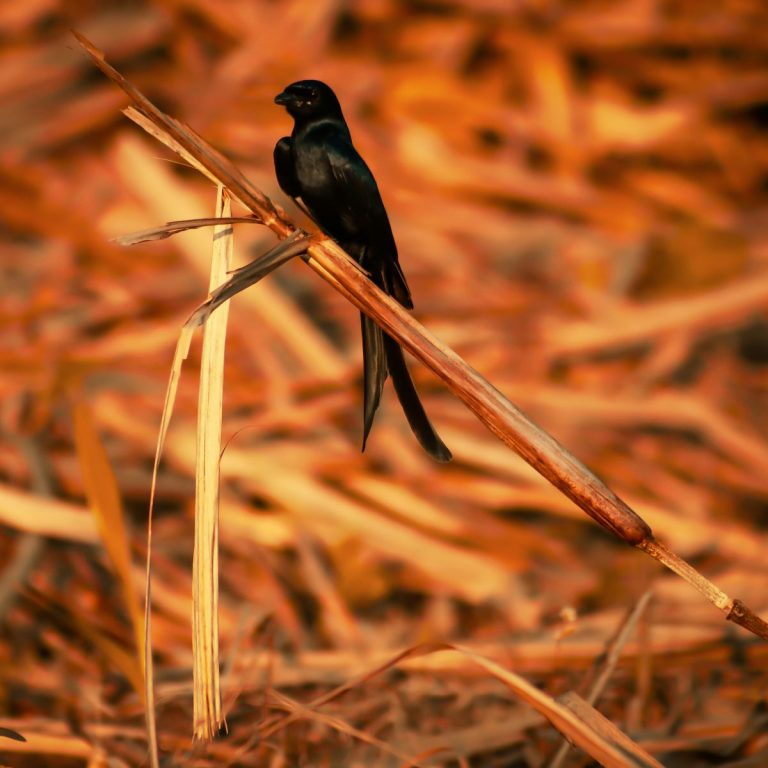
(306, 99)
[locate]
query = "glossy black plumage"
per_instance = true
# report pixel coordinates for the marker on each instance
(319, 164)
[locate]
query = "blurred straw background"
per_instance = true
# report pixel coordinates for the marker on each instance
(580, 196)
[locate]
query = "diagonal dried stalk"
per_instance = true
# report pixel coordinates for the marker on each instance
(508, 423)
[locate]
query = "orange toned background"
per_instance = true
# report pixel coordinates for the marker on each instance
(579, 192)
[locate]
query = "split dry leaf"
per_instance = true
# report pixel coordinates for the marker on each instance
(208, 718)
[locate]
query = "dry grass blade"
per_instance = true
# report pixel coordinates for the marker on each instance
(174, 227)
(634, 754)
(208, 718)
(162, 136)
(104, 499)
(180, 355)
(507, 422)
(605, 665)
(300, 712)
(46, 517)
(250, 274)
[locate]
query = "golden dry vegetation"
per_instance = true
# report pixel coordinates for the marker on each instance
(580, 196)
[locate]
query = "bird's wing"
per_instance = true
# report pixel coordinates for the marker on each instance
(355, 186)
(363, 209)
(284, 169)
(374, 371)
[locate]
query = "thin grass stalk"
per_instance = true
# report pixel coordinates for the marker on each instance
(180, 355)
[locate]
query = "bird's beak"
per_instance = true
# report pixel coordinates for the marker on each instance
(282, 98)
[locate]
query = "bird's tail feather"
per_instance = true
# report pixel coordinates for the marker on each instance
(409, 399)
(374, 371)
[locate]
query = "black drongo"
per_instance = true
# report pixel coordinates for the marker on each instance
(319, 164)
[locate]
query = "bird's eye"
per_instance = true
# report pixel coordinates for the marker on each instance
(313, 94)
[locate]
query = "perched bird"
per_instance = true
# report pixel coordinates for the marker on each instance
(319, 164)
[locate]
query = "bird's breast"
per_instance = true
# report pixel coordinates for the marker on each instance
(313, 170)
